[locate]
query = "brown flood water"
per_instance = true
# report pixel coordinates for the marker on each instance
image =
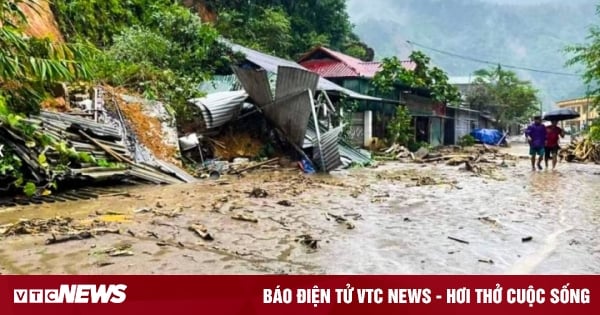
(398, 228)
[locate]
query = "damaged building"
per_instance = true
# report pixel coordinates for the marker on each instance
(298, 103)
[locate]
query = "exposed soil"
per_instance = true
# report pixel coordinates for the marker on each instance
(41, 24)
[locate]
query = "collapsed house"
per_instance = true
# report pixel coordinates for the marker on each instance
(87, 144)
(296, 102)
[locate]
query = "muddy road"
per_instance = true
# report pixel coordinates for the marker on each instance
(393, 219)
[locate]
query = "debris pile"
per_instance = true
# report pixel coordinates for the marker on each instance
(87, 144)
(61, 229)
(582, 150)
(259, 120)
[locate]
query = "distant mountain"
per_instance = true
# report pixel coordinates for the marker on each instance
(532, 36)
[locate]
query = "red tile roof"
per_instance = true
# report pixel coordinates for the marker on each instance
(338, 65)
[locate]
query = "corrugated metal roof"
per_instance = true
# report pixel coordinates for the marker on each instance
(220, 108)
(291, 114)
(220, 83)
(340, 65)
(328, 152)
(271, 64)
(291, 81)
(347, 153)
(256, 83)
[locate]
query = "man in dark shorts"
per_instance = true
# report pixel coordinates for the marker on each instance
(553, 133)
(536, 136)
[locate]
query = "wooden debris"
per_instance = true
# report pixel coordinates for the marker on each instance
(259, 193)
(308, 241)
(582, 150)
(241, 217)
(68, 237)
(255, 166)
(201, 231)
(285, 203)
(457, 240)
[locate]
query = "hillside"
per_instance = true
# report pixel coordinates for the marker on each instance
(524, 35)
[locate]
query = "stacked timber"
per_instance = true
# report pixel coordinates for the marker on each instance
(582, 150)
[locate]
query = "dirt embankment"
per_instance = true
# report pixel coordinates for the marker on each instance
(41, 21)
(207, 14)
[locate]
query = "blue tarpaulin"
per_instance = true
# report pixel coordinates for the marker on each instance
(487, 136)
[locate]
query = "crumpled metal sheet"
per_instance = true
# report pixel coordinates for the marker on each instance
(256, 84)
(291, 81)
(220, 108)
(272, 63)
(327, 152)
(291, 115)
(348, 154)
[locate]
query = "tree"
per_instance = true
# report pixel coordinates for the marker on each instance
(311, 23)
(507, 98)
(269, 31)
(588, 55)
(29, 65)
(400, 130)
(423, 76)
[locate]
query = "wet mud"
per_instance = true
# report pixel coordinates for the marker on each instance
(393, 219)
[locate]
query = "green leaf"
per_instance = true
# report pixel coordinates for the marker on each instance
(42, 160)
(30, 189)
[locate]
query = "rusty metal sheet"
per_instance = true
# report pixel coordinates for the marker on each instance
(291, 81)
(256, 84)
(327, 153)
(291, 114)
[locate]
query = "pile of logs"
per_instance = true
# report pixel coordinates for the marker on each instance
(582, 150)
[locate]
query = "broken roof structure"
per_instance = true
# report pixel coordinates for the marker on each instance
(290, 103)
(272, 63)
(333, 64)
(220, 108)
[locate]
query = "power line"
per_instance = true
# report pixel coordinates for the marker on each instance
(493, 63)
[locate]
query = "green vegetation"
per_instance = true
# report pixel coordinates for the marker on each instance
(162, 50)
(28, 66)
(522, 35)
(400, 129)
(39, 144)
(588, 55)
(466, 141)
(424, 76)
(263, 25)
(501, 92)
(594, 132)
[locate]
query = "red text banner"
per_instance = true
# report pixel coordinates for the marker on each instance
(305, 295)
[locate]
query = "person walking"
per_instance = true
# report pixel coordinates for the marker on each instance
(536, 137)
(553, 135)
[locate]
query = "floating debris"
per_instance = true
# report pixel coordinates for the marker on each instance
(285, 203)
(241, 217)
(457, 240)
(259, 193)
(527, 239)
(68, 237)
(201, 231)
(308, 241)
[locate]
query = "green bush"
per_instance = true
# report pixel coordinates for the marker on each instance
(594, 132)
(467, 141)
(400, 130)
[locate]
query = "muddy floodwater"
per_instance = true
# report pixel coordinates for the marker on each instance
(392, 219)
